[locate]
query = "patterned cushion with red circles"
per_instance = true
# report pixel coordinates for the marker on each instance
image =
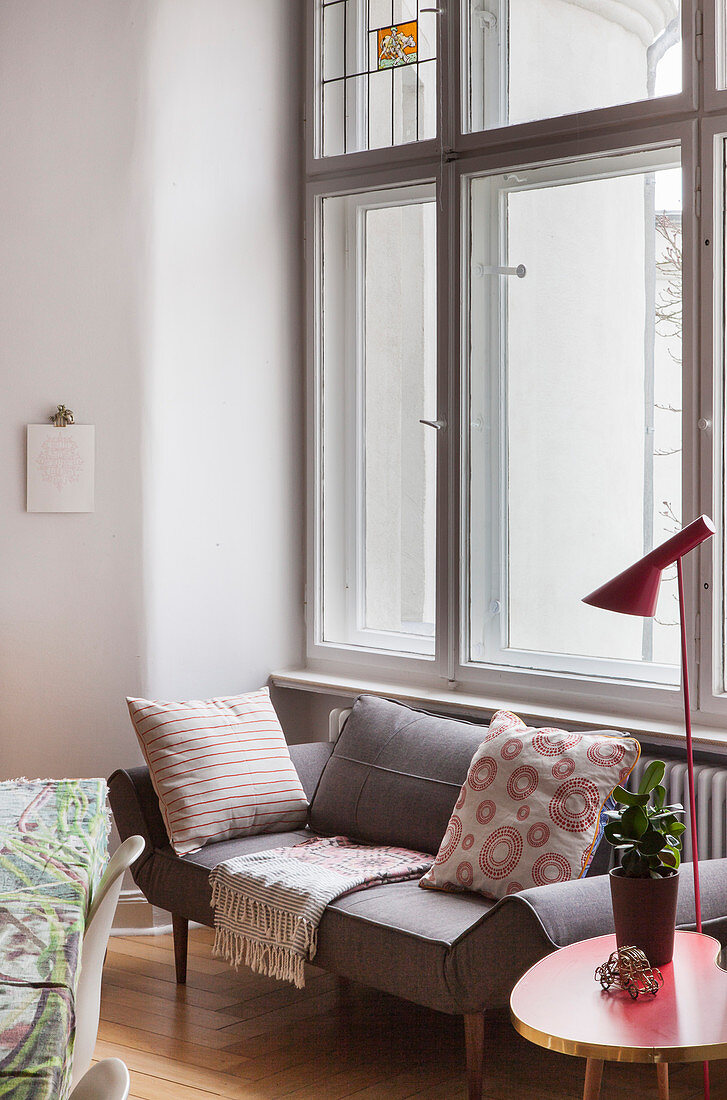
(529, 812)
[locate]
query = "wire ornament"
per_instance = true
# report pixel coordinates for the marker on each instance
(629, 969)
(62, 418)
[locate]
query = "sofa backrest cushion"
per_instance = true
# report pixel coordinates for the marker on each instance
(394, 775)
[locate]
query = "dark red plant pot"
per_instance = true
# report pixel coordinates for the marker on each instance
(644, 913)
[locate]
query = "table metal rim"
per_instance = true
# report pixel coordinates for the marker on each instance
(580, 1049)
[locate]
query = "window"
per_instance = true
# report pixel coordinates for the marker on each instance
(512, 371)
(571, 412)
(533, 59)
(378, 384)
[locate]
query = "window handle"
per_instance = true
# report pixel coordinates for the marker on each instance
(482, 269)
(438, 425)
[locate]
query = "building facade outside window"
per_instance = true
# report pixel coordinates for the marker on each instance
(514, 241)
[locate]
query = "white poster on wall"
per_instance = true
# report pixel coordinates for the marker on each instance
(61, 468)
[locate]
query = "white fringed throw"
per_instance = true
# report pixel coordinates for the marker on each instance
(268, 905)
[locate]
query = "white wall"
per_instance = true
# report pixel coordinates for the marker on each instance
(149, 279)
(223, 471)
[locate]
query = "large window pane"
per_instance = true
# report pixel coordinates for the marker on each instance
(575, 409)
(377, 74)
(533, 59)
(379, 380)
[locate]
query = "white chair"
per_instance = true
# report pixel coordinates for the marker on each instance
(107, 1080)
(95, 941)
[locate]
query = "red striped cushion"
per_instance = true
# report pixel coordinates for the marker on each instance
(220, 768)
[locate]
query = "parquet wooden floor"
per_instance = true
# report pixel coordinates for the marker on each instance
(244, 1037)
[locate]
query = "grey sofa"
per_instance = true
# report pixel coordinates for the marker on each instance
(393, 778)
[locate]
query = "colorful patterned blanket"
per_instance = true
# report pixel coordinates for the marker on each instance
(268, 905)
(53, 836)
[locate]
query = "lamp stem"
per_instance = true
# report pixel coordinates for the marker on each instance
(690, 777)
(690, 755)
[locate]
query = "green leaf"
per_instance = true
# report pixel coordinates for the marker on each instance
(677, 828)
(671, 858)
(652, 777)
(659, 796)
(634, 866)
(663, 819)
(651, 843)
(628, 798)
(635, 821)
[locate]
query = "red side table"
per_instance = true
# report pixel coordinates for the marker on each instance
(559, 1005)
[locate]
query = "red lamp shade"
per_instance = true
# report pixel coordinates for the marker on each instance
(636, 590)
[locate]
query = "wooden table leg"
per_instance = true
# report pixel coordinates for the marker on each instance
(662, 1077)
(594, 1072)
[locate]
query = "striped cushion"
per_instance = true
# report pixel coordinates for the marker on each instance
(220, 768)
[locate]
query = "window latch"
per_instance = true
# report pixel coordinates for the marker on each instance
(479, 270)
(486, 19)
(438, 425)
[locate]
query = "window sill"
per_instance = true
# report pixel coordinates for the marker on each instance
(466, 704)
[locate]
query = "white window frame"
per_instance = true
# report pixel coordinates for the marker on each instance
(380, 656)
(619, 117)
(497, 650)
(484, 87)
(714, 67)
(693, 120)
(348, 442)
(709, 412)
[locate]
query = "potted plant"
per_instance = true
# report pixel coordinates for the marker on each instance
(647, 834)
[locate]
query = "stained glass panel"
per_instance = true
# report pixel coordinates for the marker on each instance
(377, 74)
(397, 45)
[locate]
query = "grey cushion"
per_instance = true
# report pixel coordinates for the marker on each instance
(394, 775)
(570, 911)
(462, 953)
(453, 952)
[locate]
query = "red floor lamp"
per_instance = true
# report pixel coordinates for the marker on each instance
(635, 592)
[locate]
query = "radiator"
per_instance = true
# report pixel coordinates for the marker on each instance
(710, 784)
(336, 719)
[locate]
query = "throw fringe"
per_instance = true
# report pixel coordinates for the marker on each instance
(268, 904)
(269, 940)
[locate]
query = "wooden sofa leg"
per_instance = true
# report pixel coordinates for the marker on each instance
(180, 926)
(474, 1040)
